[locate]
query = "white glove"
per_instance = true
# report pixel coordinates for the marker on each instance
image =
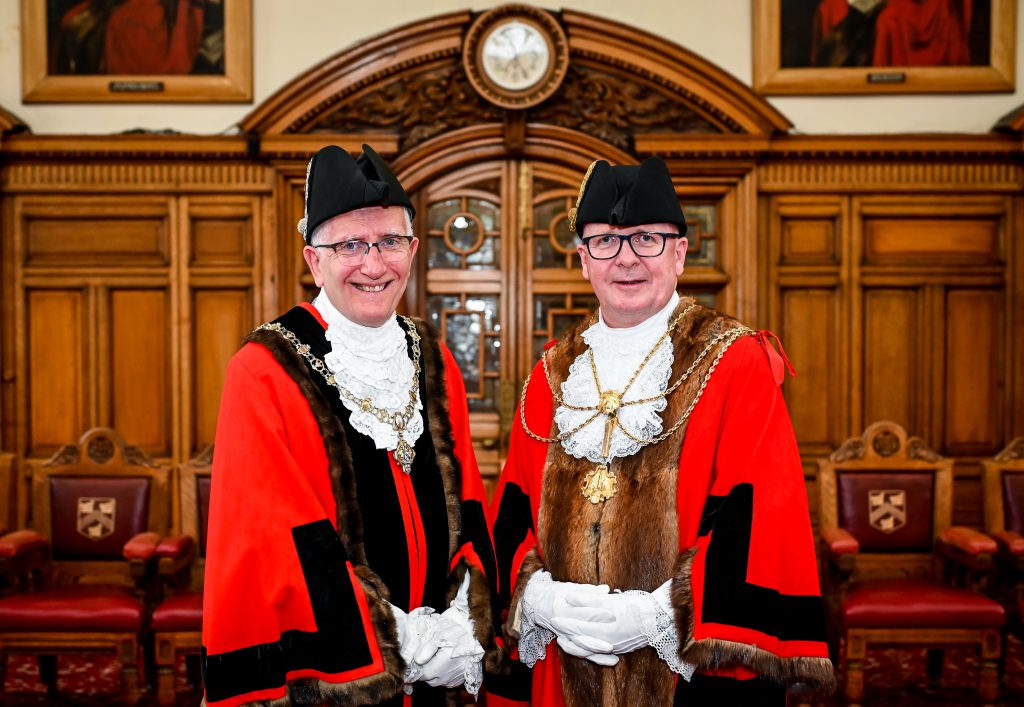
(622, 634)
(449, 653)
(641, 619)
(558, 608)
(413, 630)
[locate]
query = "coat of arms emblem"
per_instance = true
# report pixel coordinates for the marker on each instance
(96, 517)
(887, 510)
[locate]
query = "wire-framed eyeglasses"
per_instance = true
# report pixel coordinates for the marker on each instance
(355, 250)
(646, 244)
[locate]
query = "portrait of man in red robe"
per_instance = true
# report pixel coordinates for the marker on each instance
(885, 33)
(176, 37)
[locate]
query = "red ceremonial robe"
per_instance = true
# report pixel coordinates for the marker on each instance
(312, 529)
(720, 507)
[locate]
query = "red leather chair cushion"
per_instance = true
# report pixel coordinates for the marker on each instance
(203, 483)
(1013, 501)
(93, 518)
(887, 511)
(181, 613)
(915, 603)
(81, 608)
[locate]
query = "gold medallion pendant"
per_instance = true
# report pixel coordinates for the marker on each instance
(404, 454)
(600, 484)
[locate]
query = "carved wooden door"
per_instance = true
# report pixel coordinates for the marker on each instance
(501, 278)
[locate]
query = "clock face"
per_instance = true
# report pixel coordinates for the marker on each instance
(515, 55)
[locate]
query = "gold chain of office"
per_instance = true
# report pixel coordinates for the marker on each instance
(610, 401)
(398, 421)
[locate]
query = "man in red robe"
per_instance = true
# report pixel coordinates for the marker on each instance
(651, 525)
(348, 548)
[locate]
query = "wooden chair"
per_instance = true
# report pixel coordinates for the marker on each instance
(99, 509)
(178, 620)
(889, 553)
(1003, 485)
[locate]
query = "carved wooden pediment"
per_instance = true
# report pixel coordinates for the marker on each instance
(621, 83)
(607, 105)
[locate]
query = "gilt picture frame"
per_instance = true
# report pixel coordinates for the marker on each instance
(123, 51)
(807, 47)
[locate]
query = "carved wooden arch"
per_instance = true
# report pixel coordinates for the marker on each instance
(10, 123)
(622, 82)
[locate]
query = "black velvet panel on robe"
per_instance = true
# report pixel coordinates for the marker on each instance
(384, 537)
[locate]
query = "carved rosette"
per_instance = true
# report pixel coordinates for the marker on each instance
(885, 443)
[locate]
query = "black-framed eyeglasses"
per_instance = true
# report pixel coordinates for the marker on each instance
(646, 244)
(390, 248)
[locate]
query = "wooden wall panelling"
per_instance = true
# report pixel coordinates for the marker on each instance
(88, 267)
(8, 492)
(934, 267)
(137, 388)
(804, 286)
(221, 280)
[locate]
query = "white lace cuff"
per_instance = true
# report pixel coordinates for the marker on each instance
(660, 629)
(533, 638)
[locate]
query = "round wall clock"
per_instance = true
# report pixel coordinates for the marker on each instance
(515, 56)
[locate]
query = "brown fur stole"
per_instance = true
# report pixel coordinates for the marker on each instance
(630, 541)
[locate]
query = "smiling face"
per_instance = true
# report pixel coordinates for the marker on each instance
(366, 292)
(629, 288)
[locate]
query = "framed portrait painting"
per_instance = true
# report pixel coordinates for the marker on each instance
(884, 46)
(141, 51)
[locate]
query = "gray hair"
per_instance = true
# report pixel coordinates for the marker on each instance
(408, 226)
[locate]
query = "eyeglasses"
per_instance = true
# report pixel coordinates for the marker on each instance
(390, 248)
(646, 244)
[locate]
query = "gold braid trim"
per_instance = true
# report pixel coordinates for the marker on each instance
(574, 211)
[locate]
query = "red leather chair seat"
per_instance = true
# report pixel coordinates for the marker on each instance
(80, 608)
(915, 603)
(181, 613)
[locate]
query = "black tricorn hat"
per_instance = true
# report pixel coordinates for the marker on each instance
(627, 195)
(337, 184)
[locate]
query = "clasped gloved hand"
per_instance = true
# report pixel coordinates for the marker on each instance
(565, 608)
(632, 623)
(441, 649)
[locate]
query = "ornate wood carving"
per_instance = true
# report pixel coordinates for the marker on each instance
(852, 448)
(614, 107)
(1014, 451)
(397, 73)
(608, 106)
(417, 106)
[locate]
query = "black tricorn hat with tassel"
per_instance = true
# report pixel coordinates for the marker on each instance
(627, 195)
(336, 184)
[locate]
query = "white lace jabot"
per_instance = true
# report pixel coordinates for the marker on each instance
(374, 363)
(617, 354)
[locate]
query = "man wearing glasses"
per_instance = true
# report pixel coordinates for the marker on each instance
(348, 548)
(651, 524)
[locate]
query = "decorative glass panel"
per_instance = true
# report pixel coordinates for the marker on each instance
(462, 234)
(471, 328)
(553, 315)
(701, 234)
(554, 245)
